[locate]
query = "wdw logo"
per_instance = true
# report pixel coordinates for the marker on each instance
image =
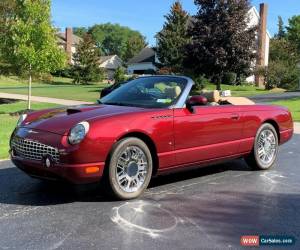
(255, 240)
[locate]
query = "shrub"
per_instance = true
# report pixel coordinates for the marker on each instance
(200, 82)
(66, 72)
(282, 75)
(120, 75)
(229, 78)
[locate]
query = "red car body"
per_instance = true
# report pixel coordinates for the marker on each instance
(177, 138)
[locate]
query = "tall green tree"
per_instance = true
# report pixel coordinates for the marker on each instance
(293, 31)
(29, 44)
(134, 45)
(221, 40)
(281, 30)
(114, 39)
(7, 14)
(86, 62)
(173, 38)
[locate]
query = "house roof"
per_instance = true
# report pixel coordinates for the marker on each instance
(147, 54)
(110, 62)
(61, 37)
(105, 58)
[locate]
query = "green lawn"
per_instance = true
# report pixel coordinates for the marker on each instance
(245, 90)
(293, 105)
(61, 88)
(8, 122)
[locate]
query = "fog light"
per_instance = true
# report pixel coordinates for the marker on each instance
(92, 170)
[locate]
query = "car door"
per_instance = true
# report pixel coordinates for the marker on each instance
(207, 133)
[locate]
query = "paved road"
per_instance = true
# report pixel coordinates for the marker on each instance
(203, 209)
(42, 99)
(275, 96)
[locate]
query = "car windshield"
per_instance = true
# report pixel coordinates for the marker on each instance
(147, 92)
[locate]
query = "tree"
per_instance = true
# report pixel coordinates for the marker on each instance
(114, 39)
(86, 62)
(133, 46)
(281, 29)
(221, 40)
(119, 75)
(293, 31)
(7, 13)
(173, 38)
(80, 31)
(282, 70)
(29, 43)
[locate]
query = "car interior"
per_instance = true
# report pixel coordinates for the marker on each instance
(214, 99)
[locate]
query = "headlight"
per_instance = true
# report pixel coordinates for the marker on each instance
(21, 119)
(78, 132)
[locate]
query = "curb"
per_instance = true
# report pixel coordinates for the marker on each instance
(296, 127)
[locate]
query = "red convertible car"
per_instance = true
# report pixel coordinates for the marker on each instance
(147, 127)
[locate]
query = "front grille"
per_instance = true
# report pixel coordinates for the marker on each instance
(33, 150)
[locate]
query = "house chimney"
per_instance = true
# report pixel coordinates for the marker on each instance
(262, 43)
(69, 42)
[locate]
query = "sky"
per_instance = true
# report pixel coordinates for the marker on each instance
(146, 16)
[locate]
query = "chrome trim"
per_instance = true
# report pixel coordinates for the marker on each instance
(33, 150)
(132, 169)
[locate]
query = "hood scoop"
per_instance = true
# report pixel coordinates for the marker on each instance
(71, 111)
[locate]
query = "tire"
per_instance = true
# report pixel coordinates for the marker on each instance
(130, 168)
(265, 149)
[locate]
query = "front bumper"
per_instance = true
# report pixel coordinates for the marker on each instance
(76, 174)
(30, 150)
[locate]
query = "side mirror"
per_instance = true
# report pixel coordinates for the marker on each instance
(197, 100)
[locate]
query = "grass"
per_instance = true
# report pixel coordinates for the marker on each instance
(244, 90)
(293, 105)
(8, 122)
(21, 105)
(61, 88)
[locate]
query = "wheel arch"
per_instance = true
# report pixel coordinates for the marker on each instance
(147, 140)
(275, 125)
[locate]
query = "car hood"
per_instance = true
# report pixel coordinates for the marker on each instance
(61, 120)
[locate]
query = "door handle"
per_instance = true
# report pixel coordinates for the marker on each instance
(235, 116)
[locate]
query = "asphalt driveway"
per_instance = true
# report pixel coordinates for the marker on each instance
(208, 208)
(275, 96)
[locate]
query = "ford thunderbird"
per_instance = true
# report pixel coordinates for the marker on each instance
(148, 126)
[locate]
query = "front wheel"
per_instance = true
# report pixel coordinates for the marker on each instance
(130, 168)
(265, 148)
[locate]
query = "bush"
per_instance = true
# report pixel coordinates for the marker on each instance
(86, 75)
(66, 72)
(229, 78)
(282, 75)
(200, 82)
(120, 75)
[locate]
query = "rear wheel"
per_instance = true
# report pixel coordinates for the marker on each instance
(265, 148)
(130, 168)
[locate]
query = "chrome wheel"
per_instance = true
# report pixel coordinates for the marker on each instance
(266, 148)
(132, 169)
